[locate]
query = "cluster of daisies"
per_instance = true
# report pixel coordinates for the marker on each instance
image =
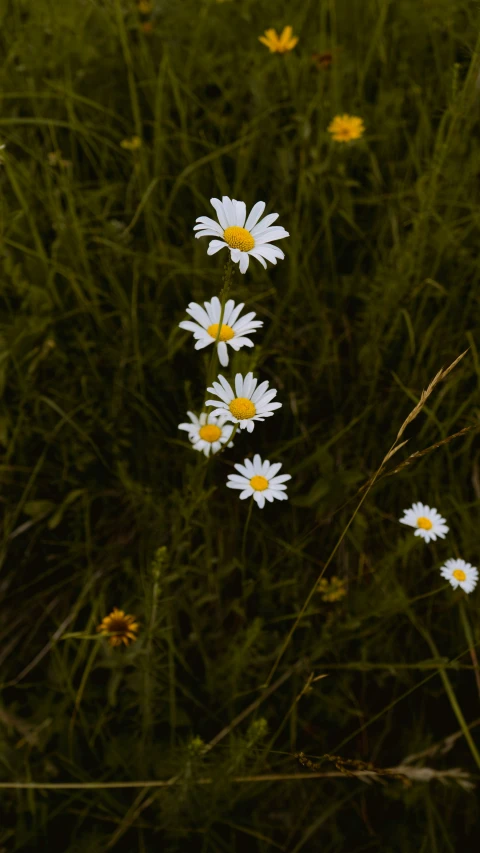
(241, 405)
(429, 524)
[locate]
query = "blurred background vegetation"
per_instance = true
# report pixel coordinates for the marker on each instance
(104, 503)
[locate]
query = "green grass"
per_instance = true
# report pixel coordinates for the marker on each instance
(188, 740)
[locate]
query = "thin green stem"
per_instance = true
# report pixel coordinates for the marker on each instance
(244, 543)
(448, 687)
(227, 283)
(471, 642)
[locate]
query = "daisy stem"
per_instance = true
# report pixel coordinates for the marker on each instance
(471, 642)
(232, 436)
(244, 542)
(227, 282)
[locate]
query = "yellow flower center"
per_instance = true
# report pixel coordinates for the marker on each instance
(460, 575)
(210, 432)
(238, 238)
(242, 408)
(424, 523)
(259, 483)
(225, 334)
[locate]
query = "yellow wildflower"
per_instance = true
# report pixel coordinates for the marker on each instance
(332, 590)
(145, 7)
(276, 43)
(131, 144)
(344, 128)
(119, 627)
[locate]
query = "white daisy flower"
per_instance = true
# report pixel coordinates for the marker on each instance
(258, 478)
(208, 432)
(427, 520)
(252, 237)
(233, 330)
(246, 405)
(460, 573)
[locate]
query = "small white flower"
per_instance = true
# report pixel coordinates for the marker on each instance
(461, 574)
(246, 405)
(427, 520)
(252, 237)
(233, 330)
(207, 432)
(258, 479)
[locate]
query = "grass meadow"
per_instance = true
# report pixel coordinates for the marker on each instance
(298, 677)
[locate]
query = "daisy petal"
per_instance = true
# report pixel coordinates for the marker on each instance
(210, 223)
(222, 353)
(254, 215)
(263, 225)
(217, 204)
(214, 246)
(189, 326)
(229, 209)
(241, 212)
(199, 314)
(258, 257)
(244, 259)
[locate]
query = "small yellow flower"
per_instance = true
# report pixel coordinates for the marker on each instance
(119, 627)
(344, 128)
(145, 7)
(276, 43)
(131, 144)
(332, 590)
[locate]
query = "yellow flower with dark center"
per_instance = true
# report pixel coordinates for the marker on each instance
(279, 43)
(131, 144)
(144, 7)
(344, 128)
(119, 627)
(332, 590)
